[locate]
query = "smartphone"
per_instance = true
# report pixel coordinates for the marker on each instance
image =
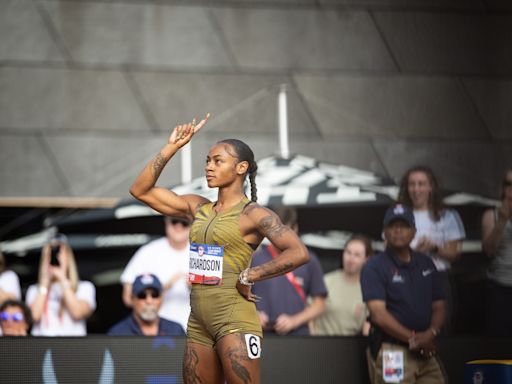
(54, 260)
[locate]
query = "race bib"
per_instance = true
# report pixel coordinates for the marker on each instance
(253, 345)
(205, 264)
(392, 366)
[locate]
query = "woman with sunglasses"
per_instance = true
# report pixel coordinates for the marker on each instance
(497, 245)
(15, 318)
(224, 332)
(60, 302)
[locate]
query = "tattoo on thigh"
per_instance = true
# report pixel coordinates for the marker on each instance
(237, 355)
(190, 363)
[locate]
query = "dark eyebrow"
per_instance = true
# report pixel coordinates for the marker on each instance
(214, 156)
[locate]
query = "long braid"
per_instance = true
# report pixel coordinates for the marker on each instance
(252, 180)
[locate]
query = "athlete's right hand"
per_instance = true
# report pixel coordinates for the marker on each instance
(183, 133)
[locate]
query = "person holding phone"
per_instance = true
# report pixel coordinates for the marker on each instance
(60, 302)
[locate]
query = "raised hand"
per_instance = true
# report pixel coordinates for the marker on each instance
(183, 133)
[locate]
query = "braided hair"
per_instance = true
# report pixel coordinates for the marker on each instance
(244, 153)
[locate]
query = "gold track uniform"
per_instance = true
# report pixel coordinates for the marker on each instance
(217, 308)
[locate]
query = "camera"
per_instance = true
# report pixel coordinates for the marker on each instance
(54, 260)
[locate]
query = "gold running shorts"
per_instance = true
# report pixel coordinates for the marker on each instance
(217, 311)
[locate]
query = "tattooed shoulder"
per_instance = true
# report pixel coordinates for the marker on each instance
(270, 226)
(250, 207)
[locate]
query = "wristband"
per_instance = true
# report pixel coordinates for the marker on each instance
(243, 278)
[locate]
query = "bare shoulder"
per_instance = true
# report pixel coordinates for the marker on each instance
(255, 212)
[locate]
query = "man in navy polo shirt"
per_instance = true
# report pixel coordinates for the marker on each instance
(407, 306)
(144, 320)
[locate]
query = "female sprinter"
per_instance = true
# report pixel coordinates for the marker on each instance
(224, 332)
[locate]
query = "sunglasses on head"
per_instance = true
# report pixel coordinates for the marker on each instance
(143, 295)
(17, 317)
(175, 221)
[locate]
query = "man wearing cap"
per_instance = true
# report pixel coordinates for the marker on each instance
(144, 320)
(407, 306)
(167, 258)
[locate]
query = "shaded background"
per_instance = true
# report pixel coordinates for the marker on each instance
(89, 91)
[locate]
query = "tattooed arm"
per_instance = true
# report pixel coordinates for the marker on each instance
(161, 199)
(293, 252)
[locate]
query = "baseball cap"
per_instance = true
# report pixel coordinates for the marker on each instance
(147, 280)
(399, 212)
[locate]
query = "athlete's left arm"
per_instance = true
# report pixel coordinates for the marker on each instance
(293, 252)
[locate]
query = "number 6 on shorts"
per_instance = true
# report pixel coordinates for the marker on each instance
(253, 345)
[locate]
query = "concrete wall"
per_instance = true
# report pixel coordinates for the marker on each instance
(89, 90)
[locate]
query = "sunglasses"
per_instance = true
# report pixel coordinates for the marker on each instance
(143, 295)
(174, 221)
(17, 317)
(507, 183)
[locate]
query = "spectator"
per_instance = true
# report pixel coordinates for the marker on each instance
(60, 301)
(15, 318)
(9, 283)
(407, 308)
(345, 313)
(497, 245)
(166, 258)
(439, 231)
(144, 320)
(283, 308)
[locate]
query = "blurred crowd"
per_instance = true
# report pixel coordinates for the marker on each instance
(306, 301)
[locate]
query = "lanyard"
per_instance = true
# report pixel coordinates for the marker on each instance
(289, 275)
